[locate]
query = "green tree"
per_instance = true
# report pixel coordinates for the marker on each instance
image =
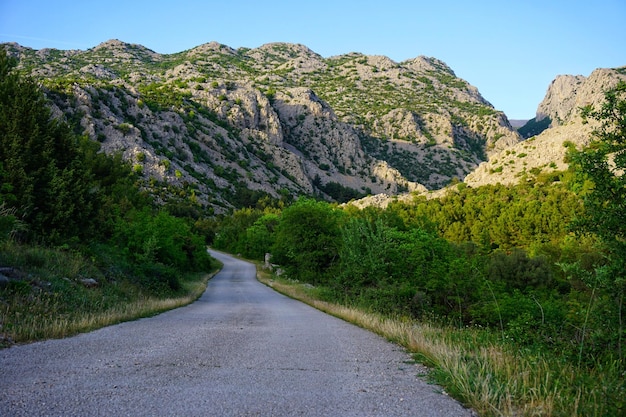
(42, 174)
(363, 253)
(260, 236)
(307, 240)
(603, 164)
(231, 233)
(145, 238)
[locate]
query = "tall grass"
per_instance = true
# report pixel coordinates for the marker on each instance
(478, 369)
(50, 301)
(27, 325)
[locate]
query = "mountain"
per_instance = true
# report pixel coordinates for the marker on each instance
(517, 123)
(224, 126)
(558, 120)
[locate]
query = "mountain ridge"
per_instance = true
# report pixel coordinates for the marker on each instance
(226, 124)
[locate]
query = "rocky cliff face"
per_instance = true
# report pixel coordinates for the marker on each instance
(568, 93)
(224, 126)
(545, 152)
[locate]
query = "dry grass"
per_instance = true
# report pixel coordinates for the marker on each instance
(475, 369)
(32, 327)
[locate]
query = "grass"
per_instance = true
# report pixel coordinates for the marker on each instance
(476, 368)
(31, 326)
(48, 300)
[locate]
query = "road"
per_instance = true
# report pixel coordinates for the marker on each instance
(240, 350)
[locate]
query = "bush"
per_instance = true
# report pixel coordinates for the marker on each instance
(162, 238)
(520, 272)
(307, 240)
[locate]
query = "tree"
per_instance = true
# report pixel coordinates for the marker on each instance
(231, 233)
(603, 164)
(307, 240)
(260, 236)
(42, 173)
(363, 253)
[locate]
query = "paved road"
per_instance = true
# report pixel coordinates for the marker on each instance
(240, 350)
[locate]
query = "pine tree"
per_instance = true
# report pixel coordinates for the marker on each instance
(42, 173)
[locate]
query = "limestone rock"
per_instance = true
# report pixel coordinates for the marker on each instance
(546, 152)
(89, 282)
(568, 93)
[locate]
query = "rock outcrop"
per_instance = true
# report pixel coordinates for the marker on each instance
(543, 153)
(567, 94)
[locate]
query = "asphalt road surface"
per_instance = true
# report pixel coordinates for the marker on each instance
(240, 350)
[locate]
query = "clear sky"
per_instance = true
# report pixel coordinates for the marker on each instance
(509, 50)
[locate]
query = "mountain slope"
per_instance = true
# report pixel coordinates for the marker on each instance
(545, 152)
(223, 127)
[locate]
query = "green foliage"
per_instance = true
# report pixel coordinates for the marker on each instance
(534, 127)
(603, 163)
(489, 257)
(260, 236)
(57, 188)
(496, 216)
(517, 271)
(405, 271)
(338, 192)
(307, 240)
(47, 297)
(600, 169)
(500, 259)
(148, 238)
(232, 230)
(364, 246)
(9, 223)
(160, 97)
(42, 174)
(125, 128)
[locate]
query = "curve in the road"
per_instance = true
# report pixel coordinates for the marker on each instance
(240, 350)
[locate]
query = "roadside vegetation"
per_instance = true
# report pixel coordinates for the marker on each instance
(513, 295)
(81, 246)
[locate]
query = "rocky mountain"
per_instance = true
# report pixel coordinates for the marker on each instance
(559, 112)
(518, 122)
(224, 126)
(558, 120)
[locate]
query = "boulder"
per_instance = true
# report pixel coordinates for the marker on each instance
(89, 282)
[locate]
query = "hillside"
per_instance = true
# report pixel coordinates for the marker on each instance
(557, 121)
(224, 127)
(560, 113)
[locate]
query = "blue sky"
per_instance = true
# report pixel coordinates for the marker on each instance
(510, 50)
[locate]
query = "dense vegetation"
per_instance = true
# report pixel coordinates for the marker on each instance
(534, 127)
(72, 217)
(540, 264)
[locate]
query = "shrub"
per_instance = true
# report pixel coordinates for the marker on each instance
(124, 128)
(307, 240)
(160, 238)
